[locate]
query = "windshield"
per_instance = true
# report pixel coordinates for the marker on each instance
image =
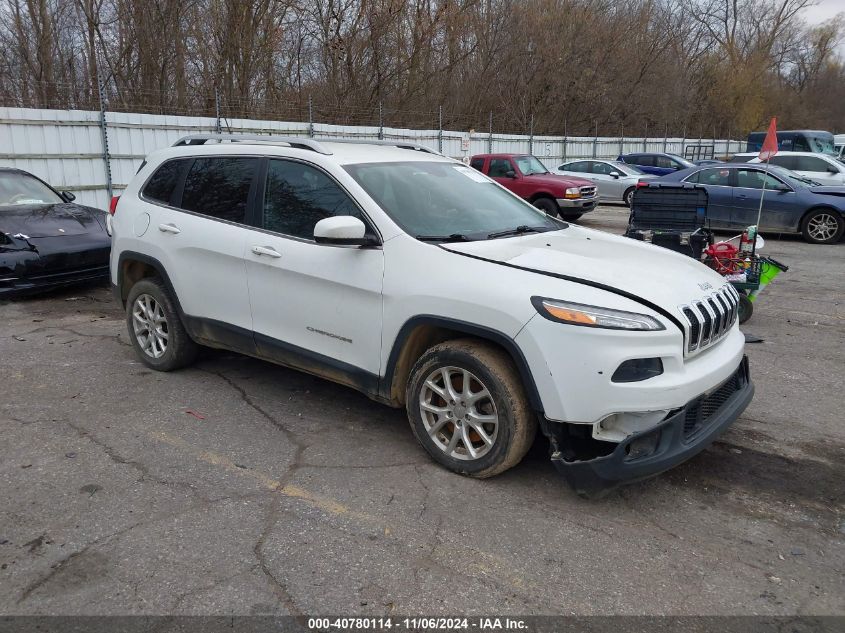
(17, 188)
(446, 200)
(791, 178)
(625, 168)
(529, 165)
(682, 160)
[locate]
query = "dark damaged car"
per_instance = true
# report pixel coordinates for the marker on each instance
(47, 241)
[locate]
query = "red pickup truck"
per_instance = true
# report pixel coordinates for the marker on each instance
(563, 196)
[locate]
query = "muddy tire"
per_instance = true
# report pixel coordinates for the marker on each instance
(746, 308)
(547, 206)
(155, 329)
(467, 407)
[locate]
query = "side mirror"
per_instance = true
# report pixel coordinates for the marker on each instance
(615, 174)
(68, 196)
(782, 188)
(510, 174)
(341, 230)
(832, 169)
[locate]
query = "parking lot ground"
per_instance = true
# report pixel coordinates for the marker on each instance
(240, 487)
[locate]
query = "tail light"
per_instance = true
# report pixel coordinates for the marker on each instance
(113, 204)
(641, 184)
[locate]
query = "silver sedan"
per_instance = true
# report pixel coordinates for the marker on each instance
(615, 181)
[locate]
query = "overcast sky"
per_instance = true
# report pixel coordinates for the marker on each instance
(823, 11)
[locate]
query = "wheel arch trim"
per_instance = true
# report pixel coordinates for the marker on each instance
(471, 329)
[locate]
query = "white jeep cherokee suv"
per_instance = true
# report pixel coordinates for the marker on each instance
(424, 284)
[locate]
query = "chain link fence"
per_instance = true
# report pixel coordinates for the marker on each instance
(93, 144)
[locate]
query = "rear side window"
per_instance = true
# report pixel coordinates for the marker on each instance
(648, 161)
(787, 162)
(219, 187)
(715, 176)
(477, 163)
(163, 182)
(298, 196)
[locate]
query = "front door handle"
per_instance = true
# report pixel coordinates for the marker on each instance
(169, 228)
(266, 250)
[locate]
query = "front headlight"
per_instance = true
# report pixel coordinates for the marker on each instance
(594, 316)
(572, 192)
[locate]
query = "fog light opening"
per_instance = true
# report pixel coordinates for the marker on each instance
(637, 369)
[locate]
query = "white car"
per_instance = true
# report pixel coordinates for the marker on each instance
(426, 285)
(614, 180)
(823, 168)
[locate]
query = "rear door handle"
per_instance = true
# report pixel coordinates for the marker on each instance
(266, 250)
(169, 228)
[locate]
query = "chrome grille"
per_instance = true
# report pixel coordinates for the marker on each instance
(588, 192)
(710, 317)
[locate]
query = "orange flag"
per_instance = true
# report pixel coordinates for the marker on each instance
(770, 145)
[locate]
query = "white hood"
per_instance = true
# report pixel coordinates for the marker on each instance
(653, 273)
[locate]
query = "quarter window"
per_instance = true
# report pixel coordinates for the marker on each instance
(219, 187)
(298, 196)
(163, 182)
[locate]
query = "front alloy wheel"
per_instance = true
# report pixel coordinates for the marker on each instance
(458, 413)
(823, 227)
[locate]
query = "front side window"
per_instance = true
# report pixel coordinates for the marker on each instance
(219, 187)
(161, 185)
(603, 169)
(428, 198)
(477, 163)
(18, 188)
(809, 163)
(499, 167)
(297, 196)
(753, 179)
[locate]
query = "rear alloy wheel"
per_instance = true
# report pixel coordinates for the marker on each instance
(468, 409)
(823, 226)
(628, 196)
(155, 328)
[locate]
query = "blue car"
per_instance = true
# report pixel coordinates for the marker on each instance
(792, 203)
(656, 163)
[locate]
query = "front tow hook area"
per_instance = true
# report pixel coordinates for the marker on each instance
(685, 433)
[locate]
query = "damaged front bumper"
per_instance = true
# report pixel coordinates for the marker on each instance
(683, 434)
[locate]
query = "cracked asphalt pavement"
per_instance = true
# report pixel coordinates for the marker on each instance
(240, 487)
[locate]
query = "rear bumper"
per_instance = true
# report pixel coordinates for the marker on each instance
(684, 434)
(581, 204)
(11, 286)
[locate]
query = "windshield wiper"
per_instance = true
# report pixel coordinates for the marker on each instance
(454, 237)
(524, 228)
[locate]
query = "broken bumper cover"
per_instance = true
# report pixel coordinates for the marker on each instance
(684, 434)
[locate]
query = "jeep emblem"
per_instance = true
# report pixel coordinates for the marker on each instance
(705, 286)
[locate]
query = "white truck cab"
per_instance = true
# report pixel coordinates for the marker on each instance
(426, 285)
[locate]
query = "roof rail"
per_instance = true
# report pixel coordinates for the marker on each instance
(291, 141)
(296, 141)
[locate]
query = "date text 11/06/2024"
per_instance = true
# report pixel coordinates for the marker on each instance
(415, 624)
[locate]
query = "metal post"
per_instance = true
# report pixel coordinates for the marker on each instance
(217, 110)
(440, 130)
(490, 135)
(622, 140)
(665, 137)
(596, 139)
(531, 135)
(310, 117)
(683, 141)
(104, 134)
(645, 138)
(380, 122)
(565, 139)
